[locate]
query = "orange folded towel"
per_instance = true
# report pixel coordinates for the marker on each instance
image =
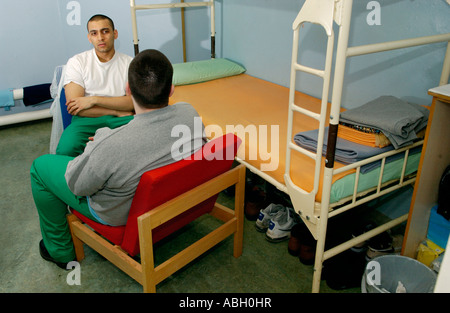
(368, 136)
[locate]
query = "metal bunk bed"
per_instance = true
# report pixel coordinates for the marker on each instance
(314, 213)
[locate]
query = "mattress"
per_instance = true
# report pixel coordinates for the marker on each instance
(246, 105)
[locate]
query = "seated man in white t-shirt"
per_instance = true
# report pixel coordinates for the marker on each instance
(94, 83)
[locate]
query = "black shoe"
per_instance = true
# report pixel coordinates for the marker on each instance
(379, 245)
(302, 244)
(344, 270)
(255, 201)
(46, 256)
(362, 247)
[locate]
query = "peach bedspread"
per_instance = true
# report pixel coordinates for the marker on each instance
(256, 104)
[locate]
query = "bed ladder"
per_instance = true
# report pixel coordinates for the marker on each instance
(322, 13)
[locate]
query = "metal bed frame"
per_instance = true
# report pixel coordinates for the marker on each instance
(314, 214)
(181, 5)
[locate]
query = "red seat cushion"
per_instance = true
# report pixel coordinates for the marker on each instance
(112, 233)
(162, 184)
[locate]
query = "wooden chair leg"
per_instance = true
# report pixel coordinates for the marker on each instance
(147, 260)
(77, 243)
(239, 212)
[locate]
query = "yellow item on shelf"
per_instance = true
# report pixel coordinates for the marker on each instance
(428, 251)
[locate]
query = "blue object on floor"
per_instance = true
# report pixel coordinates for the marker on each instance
(438, 228)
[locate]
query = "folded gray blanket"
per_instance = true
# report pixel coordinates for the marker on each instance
(397, 119)
(348, 152)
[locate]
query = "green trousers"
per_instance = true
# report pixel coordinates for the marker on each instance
(52, 197)
(51, 194)
(74, 138)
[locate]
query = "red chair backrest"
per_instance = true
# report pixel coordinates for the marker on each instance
(162, 184)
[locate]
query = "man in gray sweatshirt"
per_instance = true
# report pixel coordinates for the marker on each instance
(101, 182)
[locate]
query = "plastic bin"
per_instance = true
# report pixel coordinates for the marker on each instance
(397, 274)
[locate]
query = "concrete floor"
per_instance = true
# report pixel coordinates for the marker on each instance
(264, 267)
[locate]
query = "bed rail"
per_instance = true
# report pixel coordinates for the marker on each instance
(182, 5)
(316, 215)
(382, 188)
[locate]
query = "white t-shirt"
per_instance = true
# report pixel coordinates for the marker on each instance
(98, 78)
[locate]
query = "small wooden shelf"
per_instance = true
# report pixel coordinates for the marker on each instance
(434, 159)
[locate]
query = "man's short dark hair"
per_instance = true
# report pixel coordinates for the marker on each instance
(150, 79)
(98, 17)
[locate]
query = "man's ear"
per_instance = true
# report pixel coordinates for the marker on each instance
(127, 89)
(172, 90)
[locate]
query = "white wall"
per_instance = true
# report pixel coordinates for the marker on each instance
(258, 33)
(37, 36)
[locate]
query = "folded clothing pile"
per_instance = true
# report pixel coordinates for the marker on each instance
(363, 135)
(6, 99)
(36, 94)
(386, 117)
(31, 95)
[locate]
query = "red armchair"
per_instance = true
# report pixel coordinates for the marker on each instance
(167, 199)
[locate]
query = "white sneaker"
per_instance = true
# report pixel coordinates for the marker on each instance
(281, 224)
(265, 215)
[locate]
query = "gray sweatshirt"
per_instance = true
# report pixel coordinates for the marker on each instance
(109, 170)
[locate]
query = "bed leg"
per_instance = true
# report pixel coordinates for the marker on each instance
(318, 263)
(320, 248)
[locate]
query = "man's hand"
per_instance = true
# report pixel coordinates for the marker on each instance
(78, 104)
